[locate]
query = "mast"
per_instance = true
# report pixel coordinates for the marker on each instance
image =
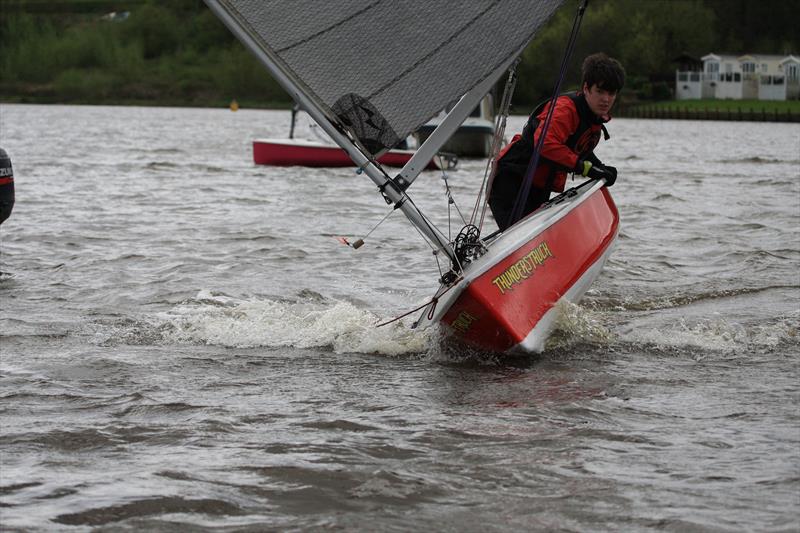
(388, 187)
(295, 109)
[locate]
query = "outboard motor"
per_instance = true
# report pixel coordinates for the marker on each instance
(6, 186)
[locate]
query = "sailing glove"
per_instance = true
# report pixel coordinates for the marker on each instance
(587, 169)
(611, 176)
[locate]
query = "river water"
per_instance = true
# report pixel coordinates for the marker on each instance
(184, 344)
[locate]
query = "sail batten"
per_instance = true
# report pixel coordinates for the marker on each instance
(381, 69)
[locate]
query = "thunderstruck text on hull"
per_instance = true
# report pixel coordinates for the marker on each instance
(368, 79)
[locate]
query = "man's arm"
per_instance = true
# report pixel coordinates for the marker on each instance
(563, 124)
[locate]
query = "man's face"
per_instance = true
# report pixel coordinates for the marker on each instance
(599, 100)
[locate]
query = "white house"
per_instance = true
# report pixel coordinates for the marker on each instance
(744, 77)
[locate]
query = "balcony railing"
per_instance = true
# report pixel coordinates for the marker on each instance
(732, 77)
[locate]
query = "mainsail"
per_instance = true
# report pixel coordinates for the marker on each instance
(370, 73)
(380, 69)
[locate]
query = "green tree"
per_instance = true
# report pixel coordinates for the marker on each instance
(645, 36)
(156, 27)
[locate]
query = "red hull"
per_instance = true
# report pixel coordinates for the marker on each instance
(290, 152)
(510, 304)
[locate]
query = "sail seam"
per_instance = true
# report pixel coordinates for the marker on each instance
(329, 28)
(435, 51)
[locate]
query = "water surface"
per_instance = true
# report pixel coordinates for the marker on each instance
(184, 344)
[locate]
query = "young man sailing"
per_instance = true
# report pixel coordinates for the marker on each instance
(575, 127)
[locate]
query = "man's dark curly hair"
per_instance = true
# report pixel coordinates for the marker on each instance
(603, 71)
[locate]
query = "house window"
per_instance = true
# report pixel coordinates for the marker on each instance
(712, 69)
(763, 67)
(748, 68)
(737, 77)
(792, 72)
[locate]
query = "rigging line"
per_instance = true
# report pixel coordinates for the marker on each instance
(378, 224)
(454, 258)
(431, 226)
(433, 301)
(522, 195)
(449, 217)
(438, 265)
(451, 200)
(432, 247)
(404, 197)
(500, 129)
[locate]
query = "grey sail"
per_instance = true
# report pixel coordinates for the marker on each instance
(380, 69)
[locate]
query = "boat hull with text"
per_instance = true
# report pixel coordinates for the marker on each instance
(507, 300)
(300, 152)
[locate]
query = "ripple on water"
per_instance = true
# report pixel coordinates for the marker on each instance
(100, 516)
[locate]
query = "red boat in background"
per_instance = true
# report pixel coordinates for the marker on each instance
(301, 152)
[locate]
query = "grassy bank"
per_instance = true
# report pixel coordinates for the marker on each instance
(745, 110)
(768, 106)
(156, 56)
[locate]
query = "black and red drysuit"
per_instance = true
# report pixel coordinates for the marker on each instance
(573, 134)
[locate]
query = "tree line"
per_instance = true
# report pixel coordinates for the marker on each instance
(176, 52)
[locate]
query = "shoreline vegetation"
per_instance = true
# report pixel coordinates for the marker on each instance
(176, 53)
(712, 109)
(735, 110)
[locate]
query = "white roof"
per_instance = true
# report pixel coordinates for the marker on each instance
(750, 57)
(718, 57)
(761, 57)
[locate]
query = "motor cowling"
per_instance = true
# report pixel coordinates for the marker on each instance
(6, 186)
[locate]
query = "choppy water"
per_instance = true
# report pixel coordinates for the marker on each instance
(185, 346)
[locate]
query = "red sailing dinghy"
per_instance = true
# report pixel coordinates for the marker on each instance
(506, 299)
(305, 153)
(344, 68)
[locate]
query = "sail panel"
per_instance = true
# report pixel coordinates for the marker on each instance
(382, 68)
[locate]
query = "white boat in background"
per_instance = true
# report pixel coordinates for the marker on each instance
(497, 293)
(474, 136)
